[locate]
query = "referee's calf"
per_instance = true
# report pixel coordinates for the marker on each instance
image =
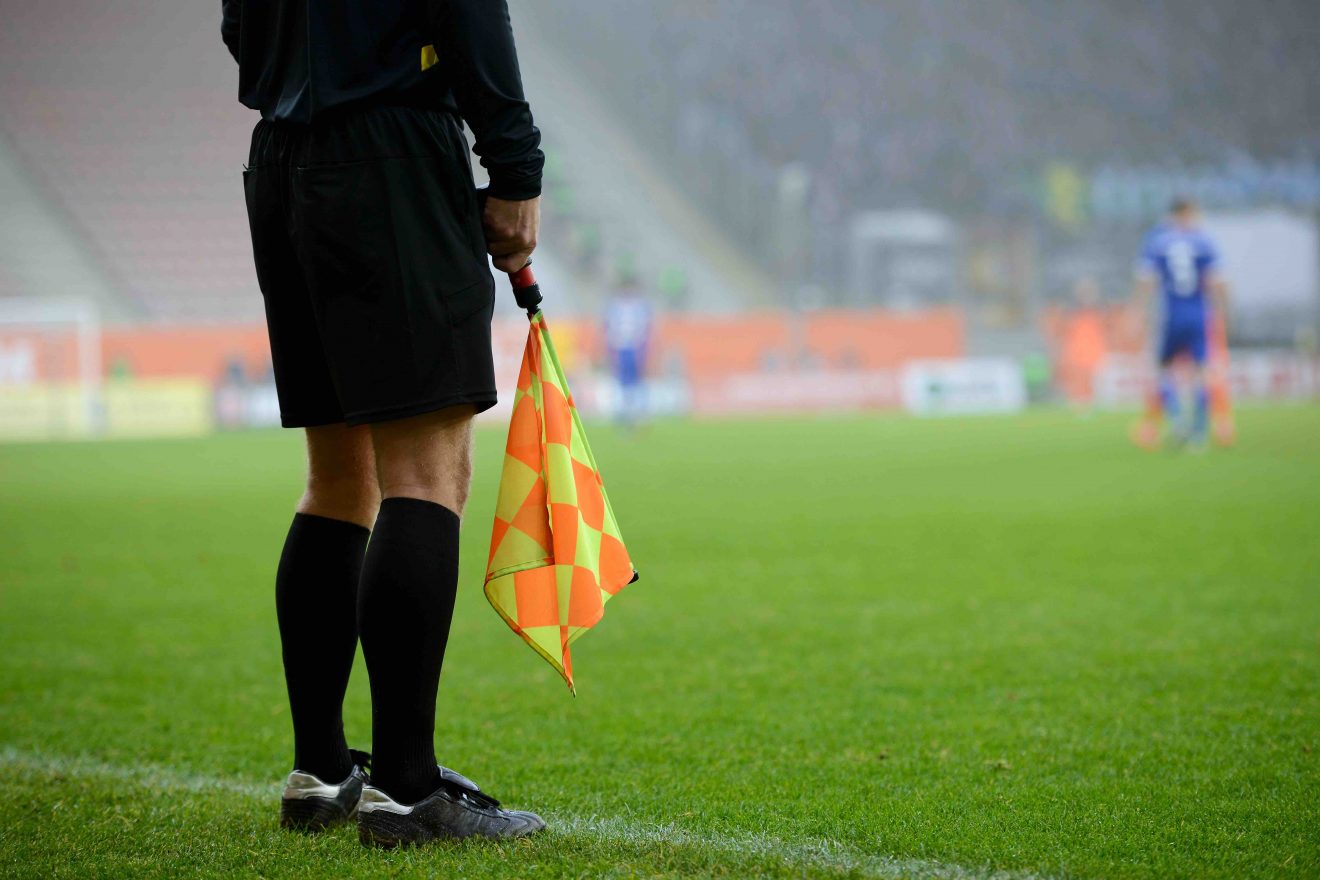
(371, 255)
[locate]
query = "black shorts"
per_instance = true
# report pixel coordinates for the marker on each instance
(372, 263)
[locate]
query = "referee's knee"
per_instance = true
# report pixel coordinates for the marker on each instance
(426, 457)
(449, 489)
(349, 497)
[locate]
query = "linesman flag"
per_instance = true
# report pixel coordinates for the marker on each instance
(556, 555)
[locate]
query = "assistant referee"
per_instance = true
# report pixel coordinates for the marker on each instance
(370, 251)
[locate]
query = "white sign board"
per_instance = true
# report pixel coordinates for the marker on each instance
(964, 387)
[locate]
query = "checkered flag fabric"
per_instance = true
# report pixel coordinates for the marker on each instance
(556, 555)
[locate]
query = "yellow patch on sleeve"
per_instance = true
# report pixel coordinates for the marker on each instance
(429, 58)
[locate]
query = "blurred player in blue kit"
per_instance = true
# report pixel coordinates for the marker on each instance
(1181, 261)
(627, 334)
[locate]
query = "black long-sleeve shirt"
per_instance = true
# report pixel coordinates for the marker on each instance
(299, 59)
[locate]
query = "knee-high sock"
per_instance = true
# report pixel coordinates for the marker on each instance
(405, 606)
(316, 589)
(1201, 416)
(1169, 398)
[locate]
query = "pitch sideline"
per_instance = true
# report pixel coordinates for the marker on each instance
(826, 854)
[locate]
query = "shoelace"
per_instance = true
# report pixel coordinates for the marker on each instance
(458, 785)
(465, 789)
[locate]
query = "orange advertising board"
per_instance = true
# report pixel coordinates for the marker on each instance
(698, 347)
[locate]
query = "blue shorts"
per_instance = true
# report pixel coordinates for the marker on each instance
(628, 367)
(1183, 337)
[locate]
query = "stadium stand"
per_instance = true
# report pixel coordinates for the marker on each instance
(140, 185)
(942, 103)
(777, 122)
(141, 145)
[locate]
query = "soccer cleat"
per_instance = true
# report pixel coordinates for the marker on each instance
(312, 805)
(1146, 434)
(455, 810)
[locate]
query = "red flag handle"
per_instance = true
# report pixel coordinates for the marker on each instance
(525, 289)
(523, 278)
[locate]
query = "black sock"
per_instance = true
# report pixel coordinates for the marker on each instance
(316, 601)
(405, 606)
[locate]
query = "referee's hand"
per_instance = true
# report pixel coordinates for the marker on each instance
(511, 230)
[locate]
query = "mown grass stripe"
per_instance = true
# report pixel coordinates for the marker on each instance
(823, 854)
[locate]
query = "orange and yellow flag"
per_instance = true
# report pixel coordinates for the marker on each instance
(556, 555)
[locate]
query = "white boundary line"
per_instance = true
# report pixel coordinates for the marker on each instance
(821, 854)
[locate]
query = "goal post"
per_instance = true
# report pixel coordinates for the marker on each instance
(50, 368)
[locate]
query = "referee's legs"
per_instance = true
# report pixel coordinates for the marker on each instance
(316, 592)
(409, 580)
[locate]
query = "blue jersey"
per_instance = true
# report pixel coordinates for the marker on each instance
(1182, 261)
(628, 320)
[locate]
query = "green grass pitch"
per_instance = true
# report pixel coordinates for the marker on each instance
(860, 647)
